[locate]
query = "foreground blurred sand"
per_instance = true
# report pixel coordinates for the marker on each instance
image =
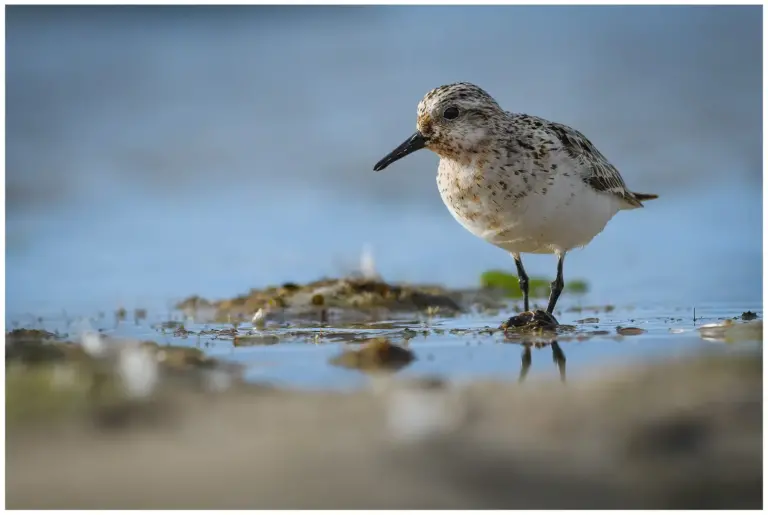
(675, 435)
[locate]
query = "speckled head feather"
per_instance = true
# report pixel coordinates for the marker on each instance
(457, 119)
(460, 92)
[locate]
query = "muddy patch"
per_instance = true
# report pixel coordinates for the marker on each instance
(327, 299)
(49, 377)
(378, 354)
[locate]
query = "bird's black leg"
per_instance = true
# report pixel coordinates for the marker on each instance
(523, 279)
(557, 285)
(540, 319)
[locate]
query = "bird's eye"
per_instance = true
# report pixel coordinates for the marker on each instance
(451, 113)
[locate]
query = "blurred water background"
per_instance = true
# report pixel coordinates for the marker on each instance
(158, 152)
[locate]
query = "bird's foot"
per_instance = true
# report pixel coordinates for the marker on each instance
(531, 320)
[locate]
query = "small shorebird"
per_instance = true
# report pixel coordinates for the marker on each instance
(522, 183)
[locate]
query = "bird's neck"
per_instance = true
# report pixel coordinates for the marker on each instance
(461, 153)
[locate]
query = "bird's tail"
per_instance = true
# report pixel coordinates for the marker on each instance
(645, 196)
(635, 200)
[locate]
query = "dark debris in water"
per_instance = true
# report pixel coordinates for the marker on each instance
(255, 339)
(376, 354)
(593, 309)
(538, 320)
(629, 331)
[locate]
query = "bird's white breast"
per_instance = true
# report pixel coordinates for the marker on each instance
(524, 210)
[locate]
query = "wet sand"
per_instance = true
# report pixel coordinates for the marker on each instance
(682, 434)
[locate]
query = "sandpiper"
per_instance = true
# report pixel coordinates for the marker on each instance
(520, 182)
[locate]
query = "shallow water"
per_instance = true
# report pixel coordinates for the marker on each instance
(460, 348)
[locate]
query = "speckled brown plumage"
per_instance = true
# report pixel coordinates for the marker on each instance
(523, 183)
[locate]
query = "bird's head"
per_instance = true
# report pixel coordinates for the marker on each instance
(454, 121)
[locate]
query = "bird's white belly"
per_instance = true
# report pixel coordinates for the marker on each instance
(535, 217)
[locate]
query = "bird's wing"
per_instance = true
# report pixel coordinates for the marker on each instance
(598, 172)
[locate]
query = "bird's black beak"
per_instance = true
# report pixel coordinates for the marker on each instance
(412, 144)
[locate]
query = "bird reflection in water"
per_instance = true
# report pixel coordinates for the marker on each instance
(557, 356)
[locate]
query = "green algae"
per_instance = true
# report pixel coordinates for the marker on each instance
(537, 286)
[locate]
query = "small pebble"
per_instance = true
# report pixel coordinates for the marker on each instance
(629, 331)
